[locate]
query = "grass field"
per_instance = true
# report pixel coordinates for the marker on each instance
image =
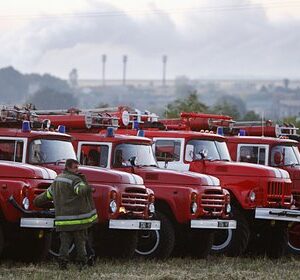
(213, 268)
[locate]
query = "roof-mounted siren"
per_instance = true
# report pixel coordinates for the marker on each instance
(220, 130)
(61, 129)
(242, 132)
(110, 132)
(26, 126)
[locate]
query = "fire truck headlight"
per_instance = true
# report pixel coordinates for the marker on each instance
(151, 208)
(228, 208)
(194, 207)
(252, 196)
(113, 206)
(26, 203)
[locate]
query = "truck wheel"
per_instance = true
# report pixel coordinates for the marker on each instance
(1, 240)
(55, 244)
(124, 243)
(200, 243)
(157, 243)
(233, 243)
(293, 244)
(275, 240)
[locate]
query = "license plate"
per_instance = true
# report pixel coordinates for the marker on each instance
(145, 225)
(223, 224)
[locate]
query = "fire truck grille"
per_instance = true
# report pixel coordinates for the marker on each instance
(213, 202)
(135, 200)
(279, 194)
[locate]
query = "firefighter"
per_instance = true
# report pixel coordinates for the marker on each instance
(74, 211)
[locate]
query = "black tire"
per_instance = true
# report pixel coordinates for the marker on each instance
(275, 240)
(293, 242)
(233, 243)
(159, 243)
(200, 243)
(1, 241)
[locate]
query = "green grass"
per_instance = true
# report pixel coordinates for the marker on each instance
(176, 268)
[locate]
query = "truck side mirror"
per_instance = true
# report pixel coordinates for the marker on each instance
(189, 152)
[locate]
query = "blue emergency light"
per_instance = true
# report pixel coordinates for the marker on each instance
(61, 129)
(135, 125)
(141, 133)
(110, 132)
(26, 126)
(242, 132)
(220, 130)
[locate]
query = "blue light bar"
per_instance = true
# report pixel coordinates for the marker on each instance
(26, 126)
(141, 133)
(110, 132)
(135, 125)
(61, 129)
(242, 132)
(220, 131)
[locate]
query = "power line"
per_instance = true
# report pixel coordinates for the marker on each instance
(207, 9)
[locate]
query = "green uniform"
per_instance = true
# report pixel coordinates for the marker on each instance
(74, 211)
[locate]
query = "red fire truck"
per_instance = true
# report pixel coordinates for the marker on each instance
(268, 144)
(189, 205)
(123, 203)
(268, 151)
(22, 181)
(254, 199)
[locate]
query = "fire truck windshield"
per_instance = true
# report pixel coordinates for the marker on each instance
(126, 154)
(285, 155)
(209, 149)
(50, 151)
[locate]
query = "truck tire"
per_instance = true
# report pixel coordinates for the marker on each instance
(1, 241)
(275, 240)
(233, 243)
(123, 244)
(293, 242)
(200, 243)
(158, 243)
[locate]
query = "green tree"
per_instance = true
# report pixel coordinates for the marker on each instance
(226, 108)
(188, 104)
(251, 116)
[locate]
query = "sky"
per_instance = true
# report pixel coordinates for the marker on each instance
(202, 39)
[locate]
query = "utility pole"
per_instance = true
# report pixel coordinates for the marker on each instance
(124, 68)
(103, 68)
(164, 61)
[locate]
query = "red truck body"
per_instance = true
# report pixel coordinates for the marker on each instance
(175, 192)
(278, 152)
(23, 182)
(121, 199)
(256, 203)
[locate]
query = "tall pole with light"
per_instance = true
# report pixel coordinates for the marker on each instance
(125, 58)
(103, 68)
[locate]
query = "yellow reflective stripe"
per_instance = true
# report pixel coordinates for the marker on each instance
(49, 194)
(77, 186)
(76, 222)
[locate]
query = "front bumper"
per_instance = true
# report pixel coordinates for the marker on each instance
(37, 223)
(134, 224)
(213, 224)
(277, 214)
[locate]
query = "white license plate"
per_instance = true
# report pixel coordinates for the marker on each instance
(145, 225)
(222, 224)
